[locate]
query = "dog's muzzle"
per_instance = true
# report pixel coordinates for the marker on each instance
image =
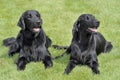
(92, 30)
(36, 29)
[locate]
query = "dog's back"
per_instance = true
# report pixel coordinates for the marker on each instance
(102, 45)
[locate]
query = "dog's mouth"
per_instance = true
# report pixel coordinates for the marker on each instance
(36, 29)
(92, 30)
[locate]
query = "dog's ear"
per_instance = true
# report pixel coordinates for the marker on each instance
(75, 30)
(76, 26)
(21, 22)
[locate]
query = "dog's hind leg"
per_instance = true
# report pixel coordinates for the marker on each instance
(9, 41)
(12, 44)
(48, 42)
(108, 47)
(14, 48)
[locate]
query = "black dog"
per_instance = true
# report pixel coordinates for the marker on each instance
(86, 44)
(31, 43)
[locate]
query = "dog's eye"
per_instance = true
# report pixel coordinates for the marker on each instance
(87, 18)
(29, 15)
(37, 15)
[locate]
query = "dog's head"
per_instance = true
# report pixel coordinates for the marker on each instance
(86, 22)
(30, 20)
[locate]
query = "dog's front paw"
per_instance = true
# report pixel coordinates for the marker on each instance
(96, 71)
(21, 64)
(48, 64)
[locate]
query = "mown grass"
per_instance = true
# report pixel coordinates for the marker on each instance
(58, 18)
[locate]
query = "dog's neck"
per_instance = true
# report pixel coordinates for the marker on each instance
(83, 34)
(83, 40)
(32, 38)
(28, 34)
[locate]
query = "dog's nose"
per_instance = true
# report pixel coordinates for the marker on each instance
(38, 22)
(97, 23)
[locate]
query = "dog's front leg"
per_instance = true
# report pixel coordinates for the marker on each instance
(47, 59)
(22, 60)
(48, 62)
(21, 63)
(70, 66)
(94, 66)
(14, 48)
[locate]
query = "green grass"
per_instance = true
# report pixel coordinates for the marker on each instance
(58, 18)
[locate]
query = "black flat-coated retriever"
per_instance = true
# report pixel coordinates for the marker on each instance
(31, 43)
(87, 43)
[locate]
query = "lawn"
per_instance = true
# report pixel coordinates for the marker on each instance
(58, 18)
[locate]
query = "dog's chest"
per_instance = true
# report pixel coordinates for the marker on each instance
(83, 41)
(29, 39)
(83, 44)
(33, 53)
(31, 42)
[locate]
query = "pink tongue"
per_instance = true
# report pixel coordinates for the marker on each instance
(93, 29)
(36, 29)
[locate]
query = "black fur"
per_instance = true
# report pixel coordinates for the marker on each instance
(31, 43)
(86, 44)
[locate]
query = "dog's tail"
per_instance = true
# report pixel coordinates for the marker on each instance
(9, 41)
(57, 57)
(67, 48)
(59, 47)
